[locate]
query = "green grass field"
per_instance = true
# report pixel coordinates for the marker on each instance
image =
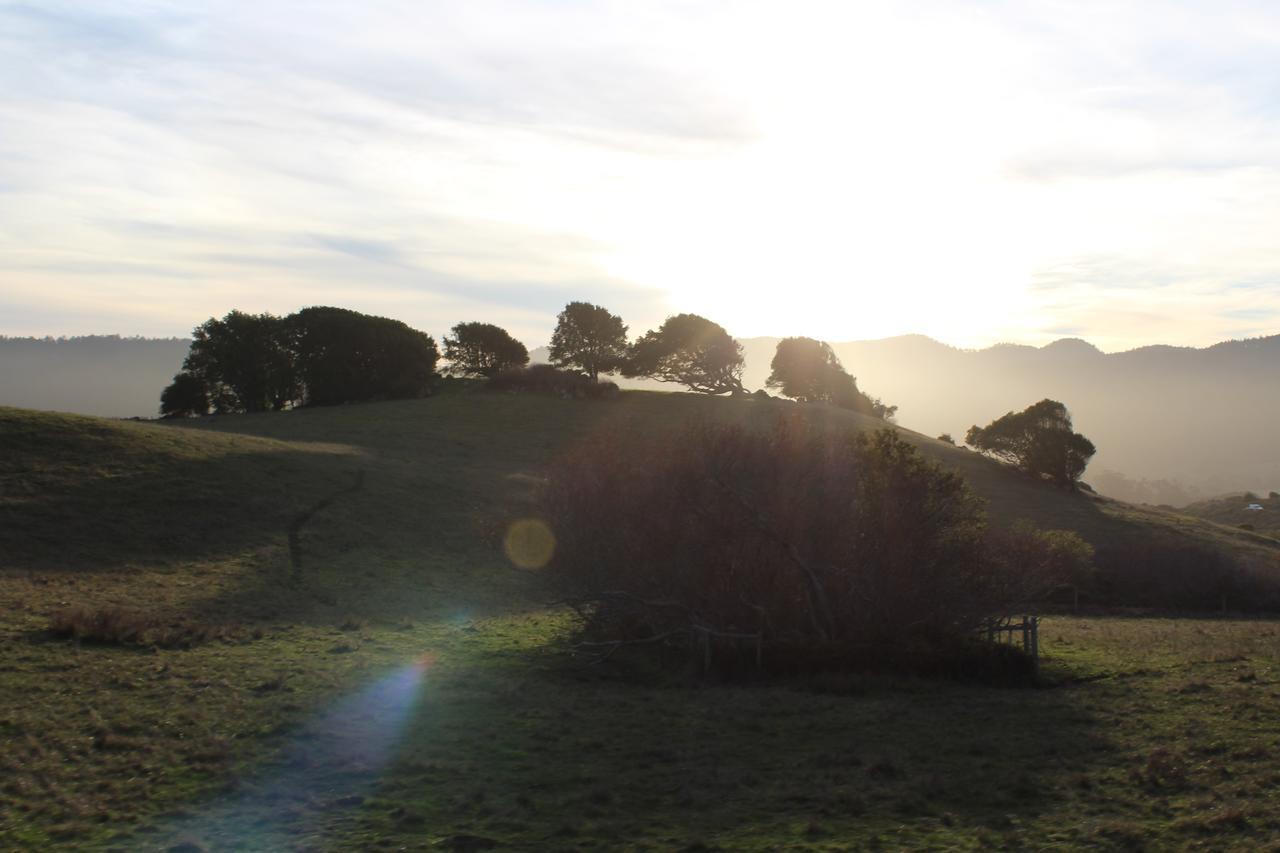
(410, 689)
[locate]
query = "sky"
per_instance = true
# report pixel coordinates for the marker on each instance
(977, 172)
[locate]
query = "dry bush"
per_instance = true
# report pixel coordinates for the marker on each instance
(546, 379)
(817, 550)
(1163, 769)
(122, 626)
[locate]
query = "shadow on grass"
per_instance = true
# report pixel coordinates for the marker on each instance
(180, 510)
(520, 747)
(528, 759)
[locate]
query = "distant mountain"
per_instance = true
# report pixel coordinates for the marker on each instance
(103, 375)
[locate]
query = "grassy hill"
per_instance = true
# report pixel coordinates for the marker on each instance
(394, 682)
(1233, 511)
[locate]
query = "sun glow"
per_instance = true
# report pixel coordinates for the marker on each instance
(841, 170)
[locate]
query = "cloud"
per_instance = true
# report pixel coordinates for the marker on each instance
(974, 171)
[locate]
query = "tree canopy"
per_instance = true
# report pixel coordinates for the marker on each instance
(483, 349)
(344, 356)
(316, 356)
(808, 370)
(186, 397)
(1039, 440)
(690, 350)
(804, 369)
(244, 363)
(590, 338)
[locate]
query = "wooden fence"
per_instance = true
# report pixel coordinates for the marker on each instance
(1009, 628)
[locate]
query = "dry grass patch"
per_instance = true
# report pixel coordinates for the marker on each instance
(124, 626)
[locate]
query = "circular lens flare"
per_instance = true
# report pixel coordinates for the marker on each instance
(529, 543)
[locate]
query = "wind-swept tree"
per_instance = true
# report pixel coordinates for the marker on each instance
(690, 350)
(590, 338)
(1039, 440)
(483, 349)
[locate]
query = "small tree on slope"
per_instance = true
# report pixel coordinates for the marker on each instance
(1039, 440)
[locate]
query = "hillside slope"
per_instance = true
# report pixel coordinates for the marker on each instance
(1235, 511)
(438, 471)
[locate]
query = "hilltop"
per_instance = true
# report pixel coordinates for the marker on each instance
(1172, 424)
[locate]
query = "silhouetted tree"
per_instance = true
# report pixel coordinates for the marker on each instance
(946, 436)
(345, 356)
(590, 338)
(187, 396)
(808, 370)
(881, 409)
(690, 350)
(1038, 440)
(483, 349)
(804, 369)
(245, 362)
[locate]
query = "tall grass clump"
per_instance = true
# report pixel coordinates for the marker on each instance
(124, 626)
(801, 547)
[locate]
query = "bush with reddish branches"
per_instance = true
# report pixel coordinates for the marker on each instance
(793, 544)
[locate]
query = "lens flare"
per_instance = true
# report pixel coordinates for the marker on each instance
(341, 753)
(529, 543)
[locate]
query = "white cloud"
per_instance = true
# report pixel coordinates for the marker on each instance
(976, 172)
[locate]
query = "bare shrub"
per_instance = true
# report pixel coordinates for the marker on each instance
(1162, 769)
(814, 549)
(124, 626)
(546, 379)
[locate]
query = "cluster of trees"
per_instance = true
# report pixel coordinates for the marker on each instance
(323, 356)
(698, 353)
(686, 349)
(1039, 440)
(316, 356)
